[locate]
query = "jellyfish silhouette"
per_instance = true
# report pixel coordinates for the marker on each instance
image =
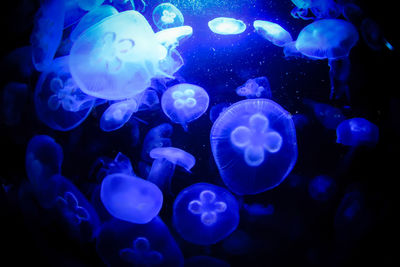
(226, 26)
(255, 88)
(158, 136)
(205, 214)
(116, 58)
(322, 188)
(122, 243)
(320, 9)
(330, 117)
(104, 166)
(357, 132)
(166, 15)
(184, 102)
(117, 114)
(254, 145)
(272, 32)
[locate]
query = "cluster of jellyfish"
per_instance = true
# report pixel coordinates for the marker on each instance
(113, 59)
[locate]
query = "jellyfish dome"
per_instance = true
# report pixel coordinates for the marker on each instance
(327, 38)
(205, 214)
(273, 32)
(226, 26)
(166, 15)
(254, 145)
(184, 102)
(116, 58)
(117, 114)
(356, 132)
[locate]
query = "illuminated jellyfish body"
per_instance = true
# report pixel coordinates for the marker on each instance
(122, 243)
(329, 116)
(172, 37)
(321, 9)
(205, 214)
(158, 136)
(322, 188)
(184, 102)
(59, 102)
(130, 198)
(47, 33)
(357, 132)
(116, 58)
(91, 18)
(166, 15)
(272, 32)
(255, 88)
(226, 26)
(89, 5)
(254, 145)
(15, 99)
(117, 114)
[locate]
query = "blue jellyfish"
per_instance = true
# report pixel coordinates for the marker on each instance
(301, 9)
(184, 102)
(15, 99)
(117, 114)
(329, 116)
(357, 132)
(166, 15)
(217, 109)
(172, 37)
(149, 100)
(339, 72)
(226, 26)
(105, 166)
(255, 88)
(91, 18)
(131, 198)
(59, 102)
(257, 209)
(116, 58)
(122, 243)
(254, 145)
(322, 188)
(47, 33)
(73, 13)
(205, 214)
(171, 63)
(290, 51)
(158, 136)
(321, 9)
(272, 32)
(123, 5)
(89, 5)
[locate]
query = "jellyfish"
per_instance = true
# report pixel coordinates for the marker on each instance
(73, 13)
(254, 145)
(205, 214)
(272, 32)
(321, 9)
(117, 114)
(226, 26)
(357, 132)
(91, 18)
(131, 198)
(59, 102)
(339, 72)
(47, 33)
(158, 136)
(166, 15)
(255, 88)
(89, 5)
(15, 99)
(322, 188)
(116, 58)
(328, 115)
(257, 209)
(184, 102)
(290, 51)
(165, 159)
(373, 35)
(217, 109)
(122, 243)
(105, 166)
(149, 100)
(172, 37)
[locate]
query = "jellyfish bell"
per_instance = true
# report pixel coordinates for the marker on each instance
(172, 37)
(174, 155)
(117, 114)
(158, 136)
(226, 26)
(89, 5)
(357, 132)
(166, 15)
(255, 88)
(273, 32)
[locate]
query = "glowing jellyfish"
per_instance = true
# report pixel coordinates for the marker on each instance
(326, 114)
(184, 102)
(356, 132)
(59, 102)
(255, 88)
(116, 58)
(117, 114)
(89, 5)
(226, 26)
(272, 32)
(47, 33)
(254, 145)
(321, 9)
(158, 136)
(131, 198)
(127, 244)
(170, 38)
(205, 214)
(166, 15)
(91, 18)
(322, 188)
(15, 99)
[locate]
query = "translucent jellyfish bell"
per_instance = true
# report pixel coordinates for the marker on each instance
(117, 114)
(356, 132)
(166, 15)
(226, 26)
(184, 102)
(158, 136)
(255, 88)
(130, 198)
(170, 38)
(205, 214)
(254, 145)
(322, 188)
(117, 58)
(273, 32)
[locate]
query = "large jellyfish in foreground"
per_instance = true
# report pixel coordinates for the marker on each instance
(116, 58)
(166, 15)
(183, 103)
(131, 198)
(254, 145)
(272, 32)
(226, 26)
(356, 132)
(127, 244)
(255, 88)
(205, 214)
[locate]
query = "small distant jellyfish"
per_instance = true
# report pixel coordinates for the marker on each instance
(131, 198)
(166, 15)
(226, 26)
(117, 114)
(205, 214)
(184, 102)
(322, 188)
(254, 145)
(255, 88)
(273, 32)
(357, 132)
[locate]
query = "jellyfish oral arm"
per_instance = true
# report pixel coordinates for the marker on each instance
(161, 173)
